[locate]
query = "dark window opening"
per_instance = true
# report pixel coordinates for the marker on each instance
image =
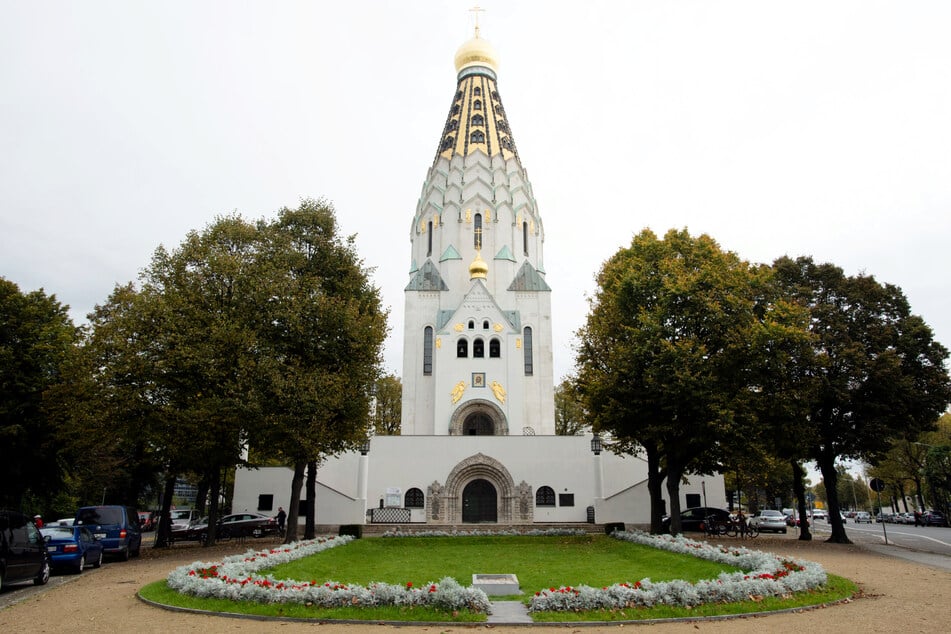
(495, 349)
(477, 137)
(462, 348)
(478, 424)
(428, 351)
(485, 324)
(527, 349)
(477, 233)
(566, 499)
(414, 499)
(525, 237)
(478, 348)
(477, 92)
(471, 324)
(429, 238)
(545, 496)
(477, 105)
(266, 502)
(693, 500)
(478, 120)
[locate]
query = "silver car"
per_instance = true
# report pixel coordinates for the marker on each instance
(769, 521)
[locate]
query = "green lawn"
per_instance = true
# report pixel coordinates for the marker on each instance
(539, 562)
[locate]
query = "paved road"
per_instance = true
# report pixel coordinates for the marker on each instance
(929, 540)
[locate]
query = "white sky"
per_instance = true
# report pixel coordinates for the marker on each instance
(799, 128)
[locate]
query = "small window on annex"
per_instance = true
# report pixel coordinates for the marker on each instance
(478, 348)
(414, 499)
(462, 348)
(428, 351)
(566, 499)
(495, 349)
(527, 350)
(545, 496)
(266, 502)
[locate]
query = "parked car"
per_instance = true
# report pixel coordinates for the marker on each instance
(819, 514)
(862, 517)
(694, 519)
(117, 527)
(230, 526)
(72, 547)
(933, 518)
(23, 555)
(182, 518)
(768, 520)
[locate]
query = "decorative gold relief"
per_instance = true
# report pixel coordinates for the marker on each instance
(468, 215)
(435, 220)
(499, 391)
(488, 215)
(457, 391)
(458, 327)
(497, 327)
(518, 343)
(438, 343)
(422, 226)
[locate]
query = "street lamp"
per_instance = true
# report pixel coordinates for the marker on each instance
(596, 445)
(365, 447)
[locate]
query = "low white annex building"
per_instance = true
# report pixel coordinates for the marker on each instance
(478, 441)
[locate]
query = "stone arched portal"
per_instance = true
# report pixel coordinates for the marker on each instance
(479, 417)
(445, 503)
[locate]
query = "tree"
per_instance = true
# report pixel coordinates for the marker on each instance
(569, 412)
(37, 338)
(878, 372)
(671, 357)
(388, 407)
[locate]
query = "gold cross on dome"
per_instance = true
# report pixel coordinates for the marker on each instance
(476, 10)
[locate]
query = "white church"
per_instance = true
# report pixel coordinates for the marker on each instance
(477, 443)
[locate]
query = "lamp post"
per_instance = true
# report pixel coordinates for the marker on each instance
(596, 447)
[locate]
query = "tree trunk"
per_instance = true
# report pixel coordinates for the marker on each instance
(309, 530)
(674, 473)
(830, 478)
(163, 534)
(201, 498)
(293, 511)
(655, 480)
(214, 486)
(799, 488)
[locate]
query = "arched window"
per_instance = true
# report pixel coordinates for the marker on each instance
(477, 233)
(478, 348)
(485, 324)
(454, 125)
(455, 109)
(477, 92)
(462, 348)
(527, 349)
(429, 238)
(495, 349)
(414, 499)
(477, 105)
(471, 324)
(447, 142)
(428, 351)
(525, 237)
(545, 496)
(478, 120)
(477, 137)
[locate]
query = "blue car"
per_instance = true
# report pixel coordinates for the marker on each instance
(72, 547)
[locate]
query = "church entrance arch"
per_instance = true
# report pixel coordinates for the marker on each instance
(478, 417)
(479, 502)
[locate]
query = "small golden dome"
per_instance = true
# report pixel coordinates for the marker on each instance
(477, 52)
(479, 269)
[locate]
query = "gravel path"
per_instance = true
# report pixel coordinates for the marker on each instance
(897, 596)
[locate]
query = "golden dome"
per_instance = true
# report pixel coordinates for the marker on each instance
(479, 269)
(477, 52)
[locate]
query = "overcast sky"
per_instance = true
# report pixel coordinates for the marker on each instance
(778, 128)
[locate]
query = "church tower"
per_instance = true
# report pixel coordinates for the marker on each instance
(477, 354)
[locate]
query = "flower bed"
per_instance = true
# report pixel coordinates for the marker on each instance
(765, 575)
(534, 532)
(234, 578)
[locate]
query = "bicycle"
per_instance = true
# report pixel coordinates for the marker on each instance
(714, 527)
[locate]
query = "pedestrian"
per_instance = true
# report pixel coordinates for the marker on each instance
(918, 518)
(38, 521)
(741, 523)
(281, 518)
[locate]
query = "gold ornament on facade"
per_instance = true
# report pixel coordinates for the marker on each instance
(457, 391)
(458, 327)
(468, 215)
(488, 215)
(518, 343)
(497, 327)
(438, 343)
(499, 391)
(435, 220)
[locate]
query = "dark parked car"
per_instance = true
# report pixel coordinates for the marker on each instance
(117, 527)
(72, 547)
(695, 519)
(229, 526)
(933, 518)
(23, 555)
